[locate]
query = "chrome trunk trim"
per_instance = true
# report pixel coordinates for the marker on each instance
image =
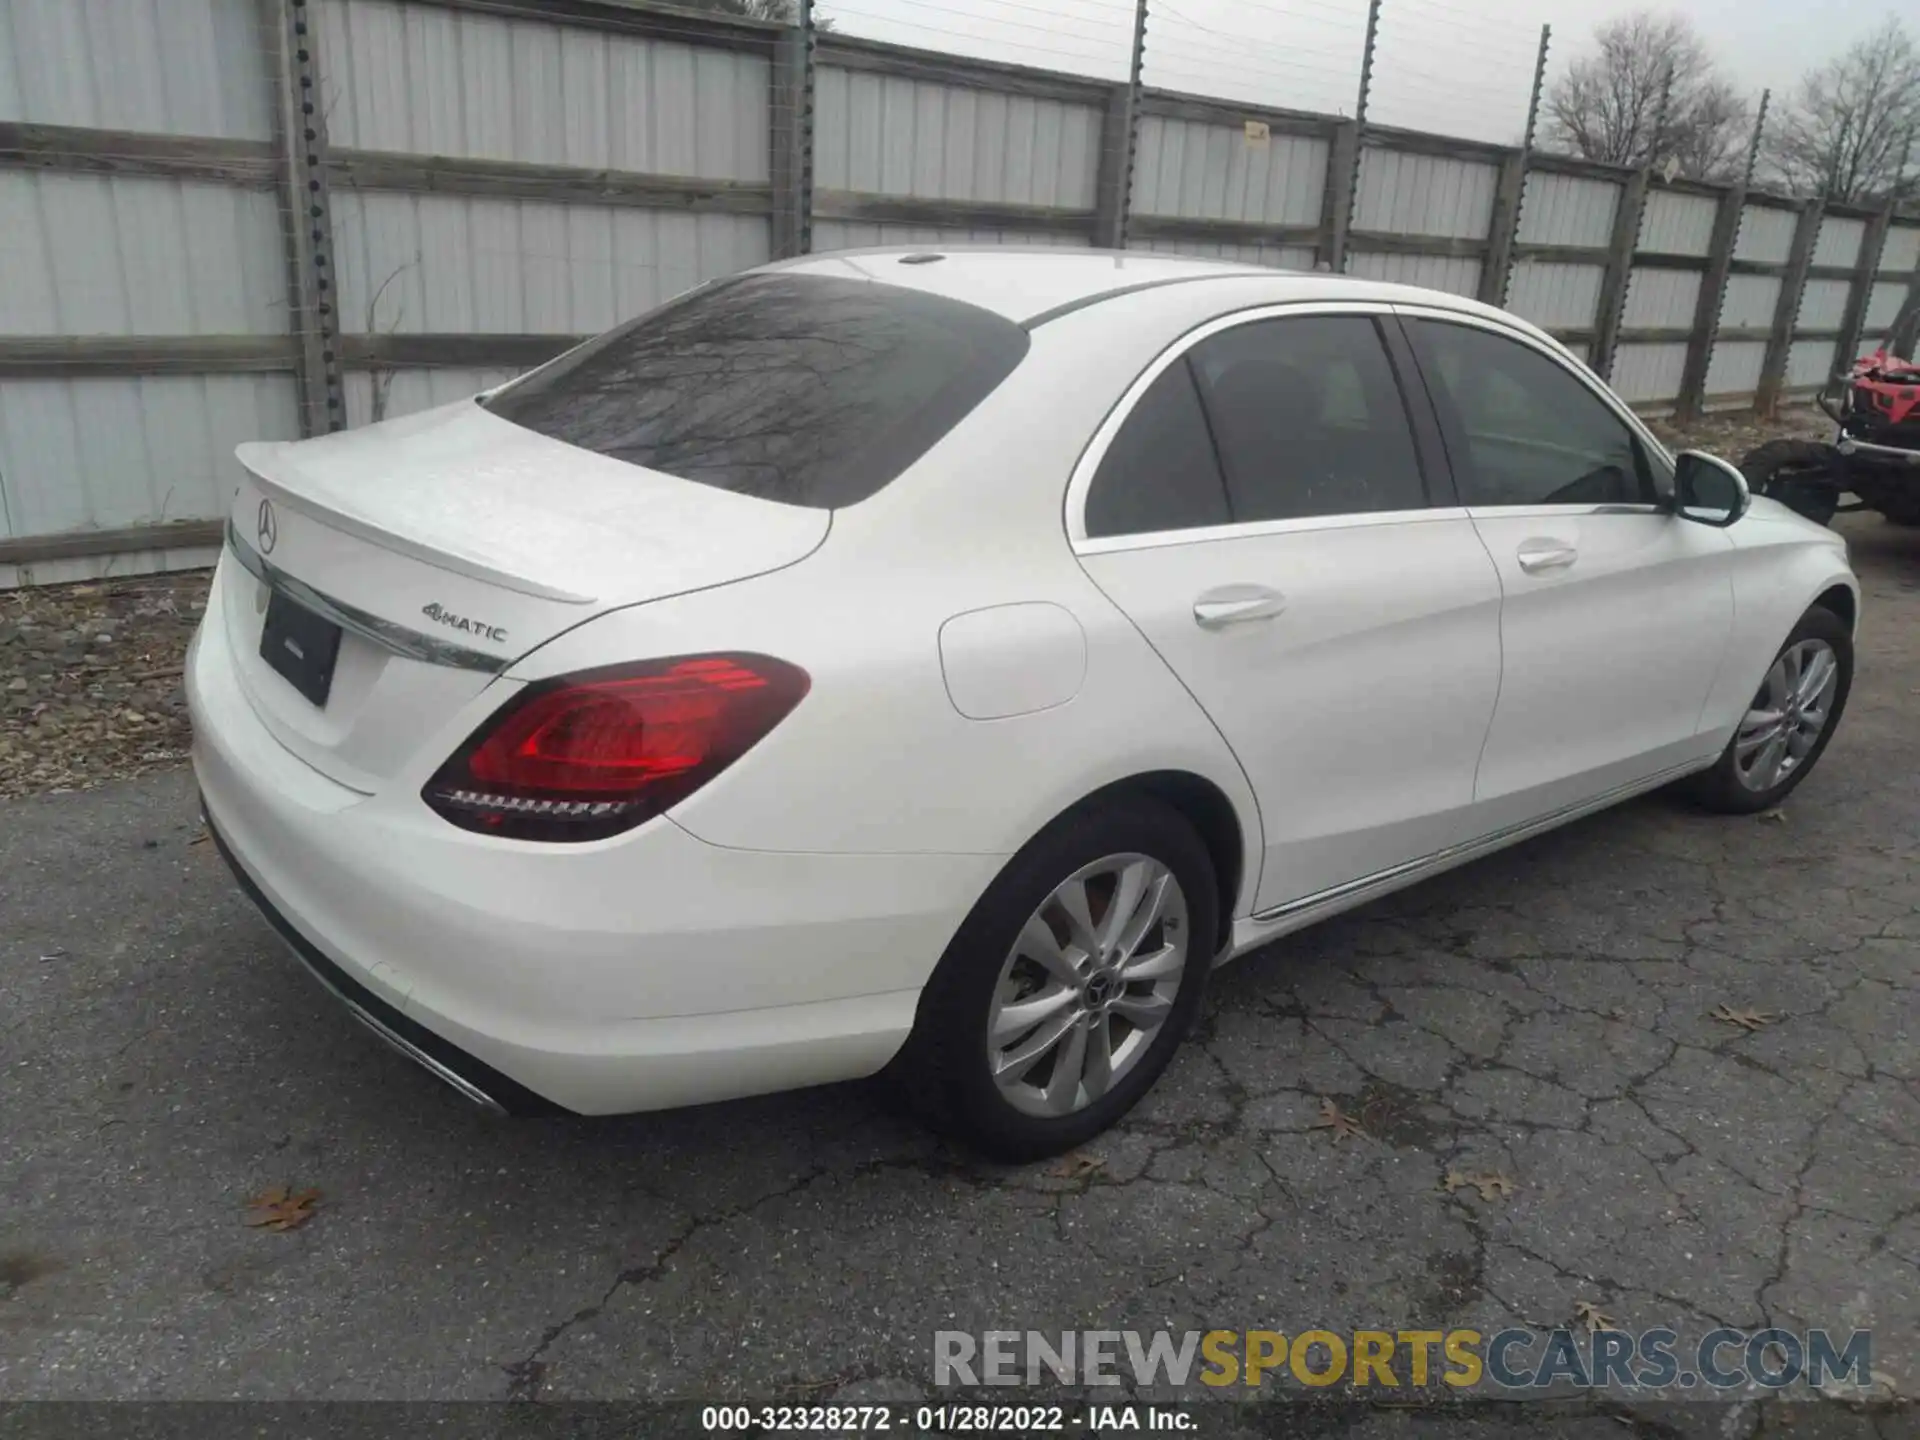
(397, 639)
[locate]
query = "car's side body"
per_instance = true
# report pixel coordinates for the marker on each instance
(979, 666)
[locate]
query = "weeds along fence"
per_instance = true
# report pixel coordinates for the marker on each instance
(225, 220)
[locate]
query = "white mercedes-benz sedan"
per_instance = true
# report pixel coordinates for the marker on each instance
(937, 662)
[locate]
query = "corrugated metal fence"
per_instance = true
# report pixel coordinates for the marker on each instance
(232, 219)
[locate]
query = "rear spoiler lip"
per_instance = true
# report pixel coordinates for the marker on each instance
(257, 458)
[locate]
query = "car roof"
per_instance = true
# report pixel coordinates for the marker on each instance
(1033, 284)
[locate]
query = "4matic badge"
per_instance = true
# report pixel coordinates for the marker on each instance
(494, 633)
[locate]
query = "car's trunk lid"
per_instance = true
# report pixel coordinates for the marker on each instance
(449, 543)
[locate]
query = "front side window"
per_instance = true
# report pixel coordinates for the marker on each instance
(1308, 417)
(806, 389)
(1533, 433)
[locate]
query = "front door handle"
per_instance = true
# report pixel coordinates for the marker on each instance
(1537, 555)
(1235, 604)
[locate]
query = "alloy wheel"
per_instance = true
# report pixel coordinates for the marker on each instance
(1787, 716)
(1088, 984)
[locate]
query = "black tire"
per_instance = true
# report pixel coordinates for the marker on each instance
(1722, 787)
(1903, 509)
(942, 1072)
(1797, 473)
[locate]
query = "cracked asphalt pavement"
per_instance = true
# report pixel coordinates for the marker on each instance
(1544, 1014)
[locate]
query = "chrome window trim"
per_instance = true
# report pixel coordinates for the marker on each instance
(397, 639)
(1551, 350)
(1252, 529)
(1084, 469)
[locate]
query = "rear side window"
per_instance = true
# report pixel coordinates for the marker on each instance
(1160, 472)
(1309, 419)
(806, 389)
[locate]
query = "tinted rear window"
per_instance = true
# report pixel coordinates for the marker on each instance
(805, 389)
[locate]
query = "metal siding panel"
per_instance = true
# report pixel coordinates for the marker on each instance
(1648, 372)
(859, 234)
(1405, 194)
(1901, 253)
(1676, 224)
(1735, 367)
(1883, 304)
(127, 255)
(1555, 295)
(1209, 172)
(1663, 299)
(174, 67)
(1282, 257)
(1567, 210)
(423, 80)
(1809, 362)
(1839, 241)
(101, 453)
(1459, 275)
(1766, 234)
(1749, 302)
(408, 391)
(1823, 305)
(450, 264)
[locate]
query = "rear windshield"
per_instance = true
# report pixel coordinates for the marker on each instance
(806, 389)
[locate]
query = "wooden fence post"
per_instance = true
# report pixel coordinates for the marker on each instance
(1706, 310)
(1786, 308)
(1619, 272)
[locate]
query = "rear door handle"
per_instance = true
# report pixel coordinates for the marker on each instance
(1537, 555)
(1235, 604)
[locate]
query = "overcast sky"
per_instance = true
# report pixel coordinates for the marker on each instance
(1460, 66)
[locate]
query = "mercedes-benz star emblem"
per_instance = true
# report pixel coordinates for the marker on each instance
(269, 527)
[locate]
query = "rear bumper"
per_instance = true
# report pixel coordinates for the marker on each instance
(641, 972)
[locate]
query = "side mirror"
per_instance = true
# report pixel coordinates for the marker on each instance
(1708, 490)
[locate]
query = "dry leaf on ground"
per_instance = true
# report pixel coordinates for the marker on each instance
(1343, 1125)
(1748, 1020)
(1774, 817)
(1076, 1166)
(281, 1208)
(1491, 1184)
(1587, 1313)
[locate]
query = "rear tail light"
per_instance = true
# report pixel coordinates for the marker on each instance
(589, 755)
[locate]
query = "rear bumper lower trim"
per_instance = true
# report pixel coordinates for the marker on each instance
(472, 1078)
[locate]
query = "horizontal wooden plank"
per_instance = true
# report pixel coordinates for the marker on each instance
(916, 210)
(1446, 147)
(1579, 167)
(74, 149)
(564, 184)
(128, 540)
(1562, 254)
(1179, 105)
(1756, 267)
(849, 52)
(1226, 232)
(1655, 334)
(1829, 334)
(1383, 242)
(73, 357)
(1666, 260)
(471, 352)
(1742, 333)
(630, 17)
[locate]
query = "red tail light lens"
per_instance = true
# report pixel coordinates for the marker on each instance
(592, 754)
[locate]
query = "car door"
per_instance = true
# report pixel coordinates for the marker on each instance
(1615, 611)
(1260, 506)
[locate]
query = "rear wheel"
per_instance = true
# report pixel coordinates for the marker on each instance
(1789, 722)
(1797, 473)
(1902, 508)
(1069, 986)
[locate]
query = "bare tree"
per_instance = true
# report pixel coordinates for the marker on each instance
(1845, 134)
(1608, 105)
(783, 12)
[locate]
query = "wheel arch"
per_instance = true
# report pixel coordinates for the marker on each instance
(1841, 600)
(1206, 807)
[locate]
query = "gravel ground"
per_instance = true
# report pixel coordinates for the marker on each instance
(90, 674)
